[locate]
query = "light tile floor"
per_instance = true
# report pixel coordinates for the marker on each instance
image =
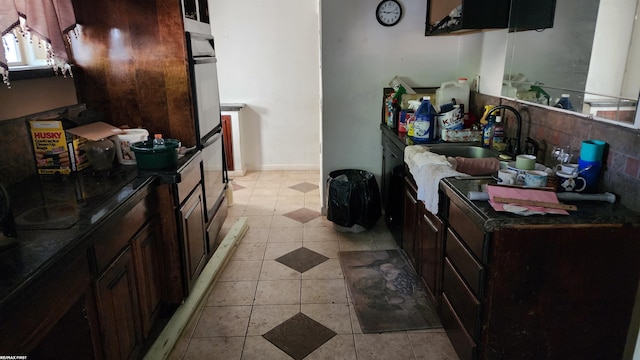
(256, 293)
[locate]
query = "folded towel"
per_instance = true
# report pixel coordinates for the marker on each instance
(473, 166)
(427, 170)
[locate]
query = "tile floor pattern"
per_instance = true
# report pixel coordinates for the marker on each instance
(257, 295)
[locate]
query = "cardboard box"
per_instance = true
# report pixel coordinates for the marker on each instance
(59, 150)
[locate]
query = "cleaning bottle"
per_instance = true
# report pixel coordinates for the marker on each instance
(483, 119)
(564, 102)
(487, 131)
(497, 141)
(424, 126)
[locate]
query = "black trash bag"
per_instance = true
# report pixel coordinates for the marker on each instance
(354, 198)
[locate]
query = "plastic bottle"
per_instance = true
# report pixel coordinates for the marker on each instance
(564, 102)
(497, 141)
(458, 90)
(158, 140)
(424, 126)
(483, 119)
(487, 131)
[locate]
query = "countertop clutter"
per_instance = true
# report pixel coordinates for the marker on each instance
(588, 212)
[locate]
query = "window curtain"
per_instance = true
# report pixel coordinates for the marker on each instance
(50, 20)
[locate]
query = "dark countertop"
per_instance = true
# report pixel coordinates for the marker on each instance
(589, 212)
(593, 213)
(81, 202)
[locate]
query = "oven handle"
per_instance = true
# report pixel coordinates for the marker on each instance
(212, 139)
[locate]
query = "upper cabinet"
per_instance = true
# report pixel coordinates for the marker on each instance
(531, 15)
(458, 16)
(196, 16)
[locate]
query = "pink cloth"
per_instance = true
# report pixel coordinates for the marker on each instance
(50, 20)
(524, 194)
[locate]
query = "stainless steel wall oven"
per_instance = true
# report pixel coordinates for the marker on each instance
(206, 98)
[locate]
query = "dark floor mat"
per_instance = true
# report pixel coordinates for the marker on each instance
(386, 292)
(299, 336)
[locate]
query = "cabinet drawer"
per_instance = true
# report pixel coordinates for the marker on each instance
(115, 234)
(470, 269)
(469, 233)
(190, 176)
(462, 342)
(464, 302)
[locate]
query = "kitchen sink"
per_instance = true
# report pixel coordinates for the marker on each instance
(468, 151)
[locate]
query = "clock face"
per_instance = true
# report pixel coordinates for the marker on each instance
(388, 12)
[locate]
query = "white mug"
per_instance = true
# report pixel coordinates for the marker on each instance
(535, 178)
(567, 168)
(507, 177)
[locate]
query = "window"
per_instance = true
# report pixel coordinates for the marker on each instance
(25, 51)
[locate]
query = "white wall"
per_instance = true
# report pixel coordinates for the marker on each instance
(359, 59)
(268, 58)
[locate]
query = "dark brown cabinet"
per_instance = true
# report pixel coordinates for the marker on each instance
(476, 15)
(524, 289)
(194, 235)
(147, 257)
(410, 222)
(117, 299)
(184, 242)
(430, 264)
(422, 239)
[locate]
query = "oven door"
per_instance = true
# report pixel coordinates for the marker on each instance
(213, 173)
(204, 76)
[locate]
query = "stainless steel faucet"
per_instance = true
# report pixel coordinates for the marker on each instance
(516, 147)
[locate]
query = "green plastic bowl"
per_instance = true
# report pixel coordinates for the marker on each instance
(149, 157)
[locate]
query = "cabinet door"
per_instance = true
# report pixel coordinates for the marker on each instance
(430, 238)
(70, 338)
(119, 316)
(410, 221)
(194, 235)
(149, 273)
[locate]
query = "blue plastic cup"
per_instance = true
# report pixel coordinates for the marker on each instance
(590, 171)
(592, 150)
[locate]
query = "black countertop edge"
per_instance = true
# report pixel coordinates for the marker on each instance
(40, 250)
(595, 213)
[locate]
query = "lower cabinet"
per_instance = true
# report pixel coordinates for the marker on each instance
(422, 240)
(194, 238)
(410, 222)
(430, 263)
(147, 255)
(523, 291)
(117, 299)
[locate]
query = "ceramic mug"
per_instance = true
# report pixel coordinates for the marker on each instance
(590, 171)
(507, 177)
(568, 182)
(567, 168)
(525, 162)
(535, 178)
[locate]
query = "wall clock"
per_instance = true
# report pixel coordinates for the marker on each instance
(388, 12)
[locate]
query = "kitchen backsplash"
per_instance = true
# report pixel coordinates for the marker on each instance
(550, 128)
